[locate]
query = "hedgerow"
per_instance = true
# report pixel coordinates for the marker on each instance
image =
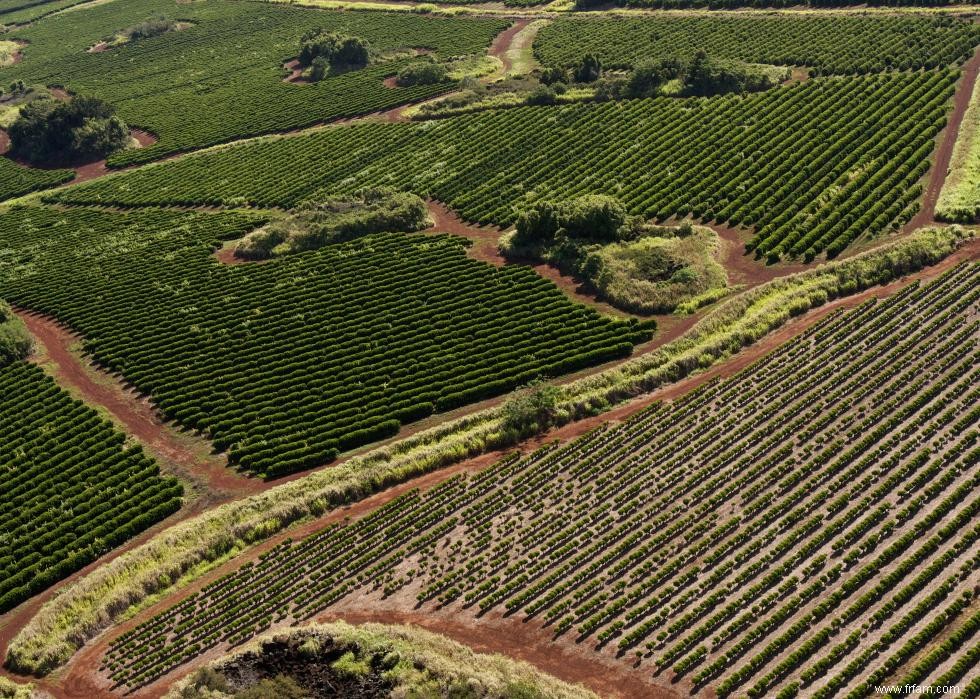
(812, 167)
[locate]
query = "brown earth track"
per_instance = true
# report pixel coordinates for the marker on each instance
(81, 679)
(501, 43)
(947, 141)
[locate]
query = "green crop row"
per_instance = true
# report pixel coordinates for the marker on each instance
(70, 489)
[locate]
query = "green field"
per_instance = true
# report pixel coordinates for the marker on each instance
(222, 77)
(286, 363)
(71, 489)
(850, 171)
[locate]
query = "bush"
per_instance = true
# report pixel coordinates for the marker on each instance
(596, 217)
(149, 28)
(541, 95)
(588, 70)
(704, 76)
(84, 128)
(649, 76)
(532, 409)
(421, 73)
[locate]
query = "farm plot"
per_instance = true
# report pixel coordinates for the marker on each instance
(286, 363)
(16, 180)
(810, 524)
(221, 77)
(812, 166)
(828, 44)
(71, 489)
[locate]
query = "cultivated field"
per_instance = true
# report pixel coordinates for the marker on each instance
(593, 350)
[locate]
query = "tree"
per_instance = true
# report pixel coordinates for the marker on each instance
(82, 128)
(588, 70)
(338, 51)
(649, 76)
(421, 73)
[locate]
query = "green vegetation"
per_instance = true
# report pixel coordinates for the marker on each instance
(15, 690)
(370, 660)
(23, 11)
(70, 487)
(828, 44)
(186, 551)
(659, 274)
(221, 78)
(329, 53)
(737, 533)
(286, 364)
(336, 220)
(852, 171)
(83, 128)
(15, 342)
(959, 199)
(421, 73)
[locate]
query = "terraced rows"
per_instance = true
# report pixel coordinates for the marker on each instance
(812, 167)
(807, 526)
(71, 489)
(287, 363)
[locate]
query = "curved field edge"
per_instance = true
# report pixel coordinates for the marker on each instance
(423, 661)
(959, 199)
(176, 557)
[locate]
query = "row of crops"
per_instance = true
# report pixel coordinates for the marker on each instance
(16, 179)
(760, 4)
(809, 525)
(830, 43)
(812, 167)
(286, 363)
(71, 488)
(221, 78)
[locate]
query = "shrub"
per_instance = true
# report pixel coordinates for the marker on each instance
(15, 342)
(542, 95)
(421, 73)
(149, 28)
(588, 69)
(649, 76)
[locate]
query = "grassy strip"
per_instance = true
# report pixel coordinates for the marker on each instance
(417, 662)
(187, 550)
(959, 199)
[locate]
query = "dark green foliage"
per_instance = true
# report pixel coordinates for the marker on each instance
(70, 488)
(593, 217)
(149, 28)
(15, 342)
(827, 43)
(813, 166)
(588, 69)
(705, 76)
(84, 128)
(421, 73)
(649, 76)
(337, 51)
(287, 362)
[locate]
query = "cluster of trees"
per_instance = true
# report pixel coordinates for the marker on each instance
(149, 28)
(337, 220)
(329, 52)
(81, 129)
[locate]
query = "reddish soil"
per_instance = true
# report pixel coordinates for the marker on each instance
(295, 72)
(59, 93)
(100, 47)
(391, 82)
(80, 678)
(136, 414)
(504, 39)
(947, 140)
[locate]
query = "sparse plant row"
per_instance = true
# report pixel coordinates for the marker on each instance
(828, 44)
(731, 159)
(186, 552)
(619, 537)
(70, 488)
(189, 87)
(287, 364)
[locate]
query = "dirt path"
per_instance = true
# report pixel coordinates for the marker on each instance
(80, 678)
(501, 45)
(947, 140)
